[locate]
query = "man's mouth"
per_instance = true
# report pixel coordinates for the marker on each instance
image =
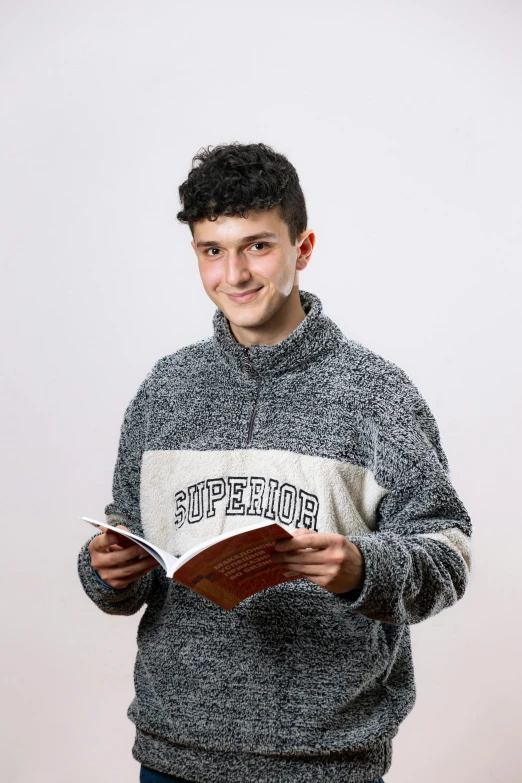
(247, 296)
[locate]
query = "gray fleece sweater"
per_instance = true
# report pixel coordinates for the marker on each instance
(296, 684)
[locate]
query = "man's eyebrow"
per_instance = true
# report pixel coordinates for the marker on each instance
(244, 240)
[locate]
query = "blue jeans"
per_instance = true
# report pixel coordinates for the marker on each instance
(149, 776)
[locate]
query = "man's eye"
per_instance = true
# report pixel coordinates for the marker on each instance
(259, 245)
(213, 251)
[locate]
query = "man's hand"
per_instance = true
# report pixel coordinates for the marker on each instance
(329, 559)
(119, 561)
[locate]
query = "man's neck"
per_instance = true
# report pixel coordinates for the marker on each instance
(283, 323)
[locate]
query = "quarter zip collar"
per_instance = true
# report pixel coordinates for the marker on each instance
(313, 338)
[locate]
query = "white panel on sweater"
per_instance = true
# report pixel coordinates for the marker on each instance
(222, 490)
(456, 540)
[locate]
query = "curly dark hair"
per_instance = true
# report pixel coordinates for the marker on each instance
(232, 179)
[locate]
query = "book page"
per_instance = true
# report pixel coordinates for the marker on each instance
(165, 559)
(195, 550)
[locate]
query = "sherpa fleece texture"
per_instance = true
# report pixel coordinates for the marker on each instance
(296, 684)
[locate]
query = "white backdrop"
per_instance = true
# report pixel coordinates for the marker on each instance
(404, 120)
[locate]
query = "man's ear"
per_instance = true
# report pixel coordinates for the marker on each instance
(305, 246)
(193, 245)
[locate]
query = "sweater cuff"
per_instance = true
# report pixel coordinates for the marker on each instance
(380, 576)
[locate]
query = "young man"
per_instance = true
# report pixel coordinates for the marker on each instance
(278, 416)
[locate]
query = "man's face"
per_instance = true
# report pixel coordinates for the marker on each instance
(248, 266)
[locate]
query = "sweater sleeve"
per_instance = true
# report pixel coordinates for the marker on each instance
(123, 510)
(418, 560)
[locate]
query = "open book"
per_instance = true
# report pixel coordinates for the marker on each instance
(225, 569)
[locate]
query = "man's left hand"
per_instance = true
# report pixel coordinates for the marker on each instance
(328, 559)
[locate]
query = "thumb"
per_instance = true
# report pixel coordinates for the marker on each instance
(111, 536)
(122, 542)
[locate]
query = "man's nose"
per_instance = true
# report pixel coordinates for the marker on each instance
(237, 270)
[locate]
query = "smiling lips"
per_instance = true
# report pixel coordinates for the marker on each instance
(246, 297)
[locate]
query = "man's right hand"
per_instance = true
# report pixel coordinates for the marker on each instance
(118, 560)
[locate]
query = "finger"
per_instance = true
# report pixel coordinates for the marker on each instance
(118, 547)
(99, 543)
(301, 531)
(114, 538)
(106, 539)
(305, 570)
(132, 569)
(112, 578)
(304, 556)
(137, 568)
(120, 556)
(303, 541)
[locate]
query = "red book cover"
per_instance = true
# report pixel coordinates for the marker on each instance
(237, 567)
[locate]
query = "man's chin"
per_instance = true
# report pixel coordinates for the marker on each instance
(245, 322)
(245, 318)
